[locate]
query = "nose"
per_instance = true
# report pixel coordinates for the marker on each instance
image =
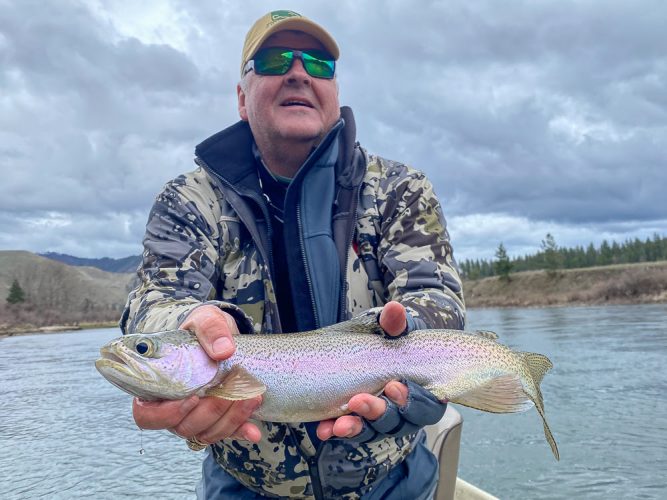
(297, 73)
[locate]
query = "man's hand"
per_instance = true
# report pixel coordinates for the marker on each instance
(208, 419)
(393, 321)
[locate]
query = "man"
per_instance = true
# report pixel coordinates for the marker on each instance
(289, 225)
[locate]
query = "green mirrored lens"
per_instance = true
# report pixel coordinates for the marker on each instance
(273, 61)
(317, 64)
(278, 61)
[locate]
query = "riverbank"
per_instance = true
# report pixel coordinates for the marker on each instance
(32, 330)
(642, 283)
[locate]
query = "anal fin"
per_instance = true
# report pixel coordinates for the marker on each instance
(501, 395)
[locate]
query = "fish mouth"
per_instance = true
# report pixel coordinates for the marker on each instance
(119, 372)
(110, 356)
(132, 375)
(118, 369)
(110, 361)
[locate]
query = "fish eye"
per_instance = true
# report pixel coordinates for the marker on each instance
(144, 348)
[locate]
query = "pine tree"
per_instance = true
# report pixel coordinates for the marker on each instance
(16, 293)
(591, 255)
(552, 257)
(606, 256)
(502, 265)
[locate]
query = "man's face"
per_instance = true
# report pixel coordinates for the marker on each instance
(291, 107)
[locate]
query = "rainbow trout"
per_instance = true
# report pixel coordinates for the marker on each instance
(310, 376)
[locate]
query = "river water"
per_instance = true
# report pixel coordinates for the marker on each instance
(67, 433)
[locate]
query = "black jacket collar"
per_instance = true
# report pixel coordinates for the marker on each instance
(229, 153)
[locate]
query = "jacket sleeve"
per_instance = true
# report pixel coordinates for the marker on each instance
(179, 271)
(414, 252)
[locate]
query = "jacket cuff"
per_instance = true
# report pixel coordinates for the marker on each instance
(414, 321)
(422, 407)
(243, 321)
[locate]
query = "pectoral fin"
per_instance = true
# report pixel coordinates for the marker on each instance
(238, 384)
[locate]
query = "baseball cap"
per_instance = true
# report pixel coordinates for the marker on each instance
(280, 20)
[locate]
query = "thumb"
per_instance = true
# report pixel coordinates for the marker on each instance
(214, 330)
(393, 319)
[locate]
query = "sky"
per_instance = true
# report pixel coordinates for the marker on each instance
(529, 117)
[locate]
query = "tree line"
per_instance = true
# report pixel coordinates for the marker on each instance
(552, 257)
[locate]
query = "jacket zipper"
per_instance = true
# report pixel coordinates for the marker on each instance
(314, 472)
(345, 285)
(304, 258)
(313, 469)
(299, 224)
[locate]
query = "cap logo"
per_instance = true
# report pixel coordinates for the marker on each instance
(277, 15)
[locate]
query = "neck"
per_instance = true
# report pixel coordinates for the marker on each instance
(284, 157)
(285, 161)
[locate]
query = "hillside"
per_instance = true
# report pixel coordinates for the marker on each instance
(124, 265)
(60, 294)
(619, 284)
(57, 293)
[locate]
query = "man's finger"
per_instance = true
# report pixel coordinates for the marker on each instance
(325, 429)
(249, 432)
(203, 416)
(347, 426)
(397, 392)
(368, 406)
(161, 414)
(231, 421)
(393, 318)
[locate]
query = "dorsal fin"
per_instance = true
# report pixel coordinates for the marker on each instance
(366, 323)
(485, 334)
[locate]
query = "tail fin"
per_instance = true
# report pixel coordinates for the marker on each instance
(547, 432)
(538, 366)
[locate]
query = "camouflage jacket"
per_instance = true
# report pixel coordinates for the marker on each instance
(208, 241)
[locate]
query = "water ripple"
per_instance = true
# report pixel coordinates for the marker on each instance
(604, 400)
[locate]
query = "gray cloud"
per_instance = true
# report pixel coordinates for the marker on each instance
(527, 116)
(551, 111)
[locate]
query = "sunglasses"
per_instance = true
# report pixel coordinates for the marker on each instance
(273, 61)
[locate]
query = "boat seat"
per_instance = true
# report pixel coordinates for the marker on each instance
(444, 440)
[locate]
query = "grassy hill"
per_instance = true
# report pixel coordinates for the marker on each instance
(57, 293)
(618, 284)
(124, 265)
(60, 294)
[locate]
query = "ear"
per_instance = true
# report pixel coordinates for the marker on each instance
(241, 103)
